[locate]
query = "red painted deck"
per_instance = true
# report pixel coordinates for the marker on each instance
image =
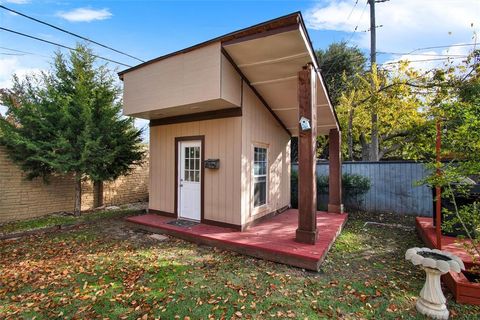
(272, 239)
(463, 290)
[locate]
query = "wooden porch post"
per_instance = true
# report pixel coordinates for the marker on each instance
(307, 187)
(335, 172)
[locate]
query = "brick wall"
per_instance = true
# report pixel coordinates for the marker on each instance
(23, 199)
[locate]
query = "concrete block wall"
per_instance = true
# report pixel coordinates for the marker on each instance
(23, 199)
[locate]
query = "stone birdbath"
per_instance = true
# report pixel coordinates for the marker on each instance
(435, 263)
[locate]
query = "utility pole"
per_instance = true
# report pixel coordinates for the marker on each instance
(373, 34)
(374, 145)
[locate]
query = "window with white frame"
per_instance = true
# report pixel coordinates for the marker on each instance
(260, 169)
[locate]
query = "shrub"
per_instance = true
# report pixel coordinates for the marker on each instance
(354, 187)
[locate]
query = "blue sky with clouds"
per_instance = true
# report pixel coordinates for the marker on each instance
(147, 29)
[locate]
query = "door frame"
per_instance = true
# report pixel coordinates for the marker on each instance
(202, 172)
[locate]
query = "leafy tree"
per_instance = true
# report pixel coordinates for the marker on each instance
(340, 65)
(401, 122)
(456, 97)
(68, 121)
(379, 111)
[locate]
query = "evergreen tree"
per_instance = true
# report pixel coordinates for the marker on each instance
(68, 121)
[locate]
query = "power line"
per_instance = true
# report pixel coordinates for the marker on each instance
(358, 22)
(24, 52)
(447, 46)
(70, 33)
(15, 50)
(12, 54)
(402, 60)
(60, 45)
(351, 11)
(349, 39)
(433, 59)
(421, 54)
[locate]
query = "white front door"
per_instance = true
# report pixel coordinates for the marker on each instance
(189, 180)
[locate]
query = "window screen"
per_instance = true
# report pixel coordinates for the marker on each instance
(259, 176)
(192, 164)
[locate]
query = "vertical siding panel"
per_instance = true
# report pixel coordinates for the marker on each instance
(233, 179)
(173, 132)
(152, 169)
(220, 174)
(159, 176)
(219, 184)
(165, 190)
(259, 126)
(237, 169)
(227, 180)
(210, 194)
(214, 176)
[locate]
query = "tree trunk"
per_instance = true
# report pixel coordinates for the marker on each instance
(78, 194)
(349, 134)
(97, 194)
(365, 148)
(374, 145)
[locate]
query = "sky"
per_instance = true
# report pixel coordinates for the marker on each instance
(148, 29)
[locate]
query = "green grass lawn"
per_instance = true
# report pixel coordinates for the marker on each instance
(106, 271)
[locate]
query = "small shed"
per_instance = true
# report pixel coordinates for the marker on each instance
(222, 114)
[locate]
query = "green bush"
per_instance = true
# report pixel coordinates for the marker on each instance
(354, 187)
(464, 221)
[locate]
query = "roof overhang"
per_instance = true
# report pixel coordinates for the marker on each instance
(269, 56)
(271, 62)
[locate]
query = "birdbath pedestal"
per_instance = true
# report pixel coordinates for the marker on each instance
(435, 263)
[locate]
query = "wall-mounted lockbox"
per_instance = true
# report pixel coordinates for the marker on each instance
(212, 163)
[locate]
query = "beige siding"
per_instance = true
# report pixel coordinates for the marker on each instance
(179, 80)
(222, 186)
(259, 127)
(231, 83)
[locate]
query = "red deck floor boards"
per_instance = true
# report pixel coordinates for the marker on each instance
(272, 239)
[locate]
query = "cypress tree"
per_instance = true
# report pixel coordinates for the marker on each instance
(68, 121)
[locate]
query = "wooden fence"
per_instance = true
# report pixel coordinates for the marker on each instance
(394, 186)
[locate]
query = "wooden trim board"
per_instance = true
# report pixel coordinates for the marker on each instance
(201, 116)
(163, 213)
(264, 217)
(202, 172)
